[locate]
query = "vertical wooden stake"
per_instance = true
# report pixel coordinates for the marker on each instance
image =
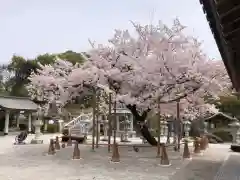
(180, 127)
(94, 121)
(109, 121)
(115, 122)
(158, 132)
(97, 119)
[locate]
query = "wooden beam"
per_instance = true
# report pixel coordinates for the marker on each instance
(230, 15)
(226, 28)
(226, 5)
(235, 34)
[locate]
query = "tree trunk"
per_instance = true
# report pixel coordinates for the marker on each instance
(147, 135)
(141, 124)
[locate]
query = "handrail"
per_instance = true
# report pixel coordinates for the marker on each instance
(78, 119)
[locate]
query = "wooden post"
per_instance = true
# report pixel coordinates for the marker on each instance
(94, 121)
(180, 126)
(109, 121)
(164, 158)
(115, 121)
(97, 119)
(158, 132)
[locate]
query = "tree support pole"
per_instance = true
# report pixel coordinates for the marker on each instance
(109, 121)
(94, 121)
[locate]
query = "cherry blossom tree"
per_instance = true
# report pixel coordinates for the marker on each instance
(49, 84)
(158, 64)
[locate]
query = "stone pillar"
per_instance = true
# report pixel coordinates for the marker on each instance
(212, 126)
(29, 122)
(45, 126)
(60, 125)
(7, 114)
(187, 125)
(17, 119)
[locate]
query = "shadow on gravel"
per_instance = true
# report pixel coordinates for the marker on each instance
(198, 170)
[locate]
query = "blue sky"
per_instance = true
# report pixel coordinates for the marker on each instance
(32, 27)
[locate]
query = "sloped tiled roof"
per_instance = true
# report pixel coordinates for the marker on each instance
(220, 114)
(18, 103)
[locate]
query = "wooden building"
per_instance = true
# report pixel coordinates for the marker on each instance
(12, 104)
(224, 20)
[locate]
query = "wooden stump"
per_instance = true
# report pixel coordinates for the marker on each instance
(206, 142)
(197, 149)
(164, 157)
(69, 142)
(76, 151)
(158, 151)
(51, 149)
(186, 152)
(57, 144)
(115, 153)
(202, 144)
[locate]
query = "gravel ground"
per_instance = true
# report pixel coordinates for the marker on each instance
(27, 162)
(207, 166)
(230, 168)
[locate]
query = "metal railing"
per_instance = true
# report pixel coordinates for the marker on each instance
(82, 118)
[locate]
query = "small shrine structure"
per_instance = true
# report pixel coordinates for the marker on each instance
(12, 104)
(124, 120)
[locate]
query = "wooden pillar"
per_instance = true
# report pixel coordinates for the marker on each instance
(7, 114)
(29, 122)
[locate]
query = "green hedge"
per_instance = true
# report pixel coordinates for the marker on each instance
(2, 123)
(224, 135)
(52, 128)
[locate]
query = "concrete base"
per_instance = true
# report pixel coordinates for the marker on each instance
(36, 141)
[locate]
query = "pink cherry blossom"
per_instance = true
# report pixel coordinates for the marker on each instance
(157, 64)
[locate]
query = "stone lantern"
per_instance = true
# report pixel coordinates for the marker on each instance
(105, 127)
(163, 128)
(38, 124)
(236, 131)
(186, 124)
